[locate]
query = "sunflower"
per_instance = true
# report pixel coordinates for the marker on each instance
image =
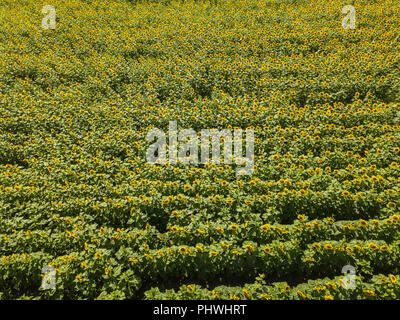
(199, 249)
(369, 292)
(267, 249)
(224, 245)
(345, 193)
(265, 227)
(393, 278)
(182, 250)
(246, 293)
(373, 246)
(190, 288)
(389, 221)
(249, 247)
(391, 205)
(316, 245)
(264, 296)
(376, 223)
(300, 217)
(301, 294)
(363, 223)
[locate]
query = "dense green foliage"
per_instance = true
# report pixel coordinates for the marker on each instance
(77, 193)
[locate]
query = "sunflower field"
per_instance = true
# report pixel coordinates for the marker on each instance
(78, 196)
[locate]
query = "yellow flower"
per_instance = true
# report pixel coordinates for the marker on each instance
(389, 221)
(376, 223)
(345, 193)
(233, 227)
(267, 249)
(265, 227)
(215, 294)
(249, 247)
(369, 292)
(236, 252)
(175, 213)
(264, 296)
(363, 223)
(224, 245)
(372, 246)
(328, 298)
(393, 278)
(331, 285)
(246, 293)
(182, 250)
(391, 205)
(160, 253)
(190, 288)
(301, 294)
(316, 245)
